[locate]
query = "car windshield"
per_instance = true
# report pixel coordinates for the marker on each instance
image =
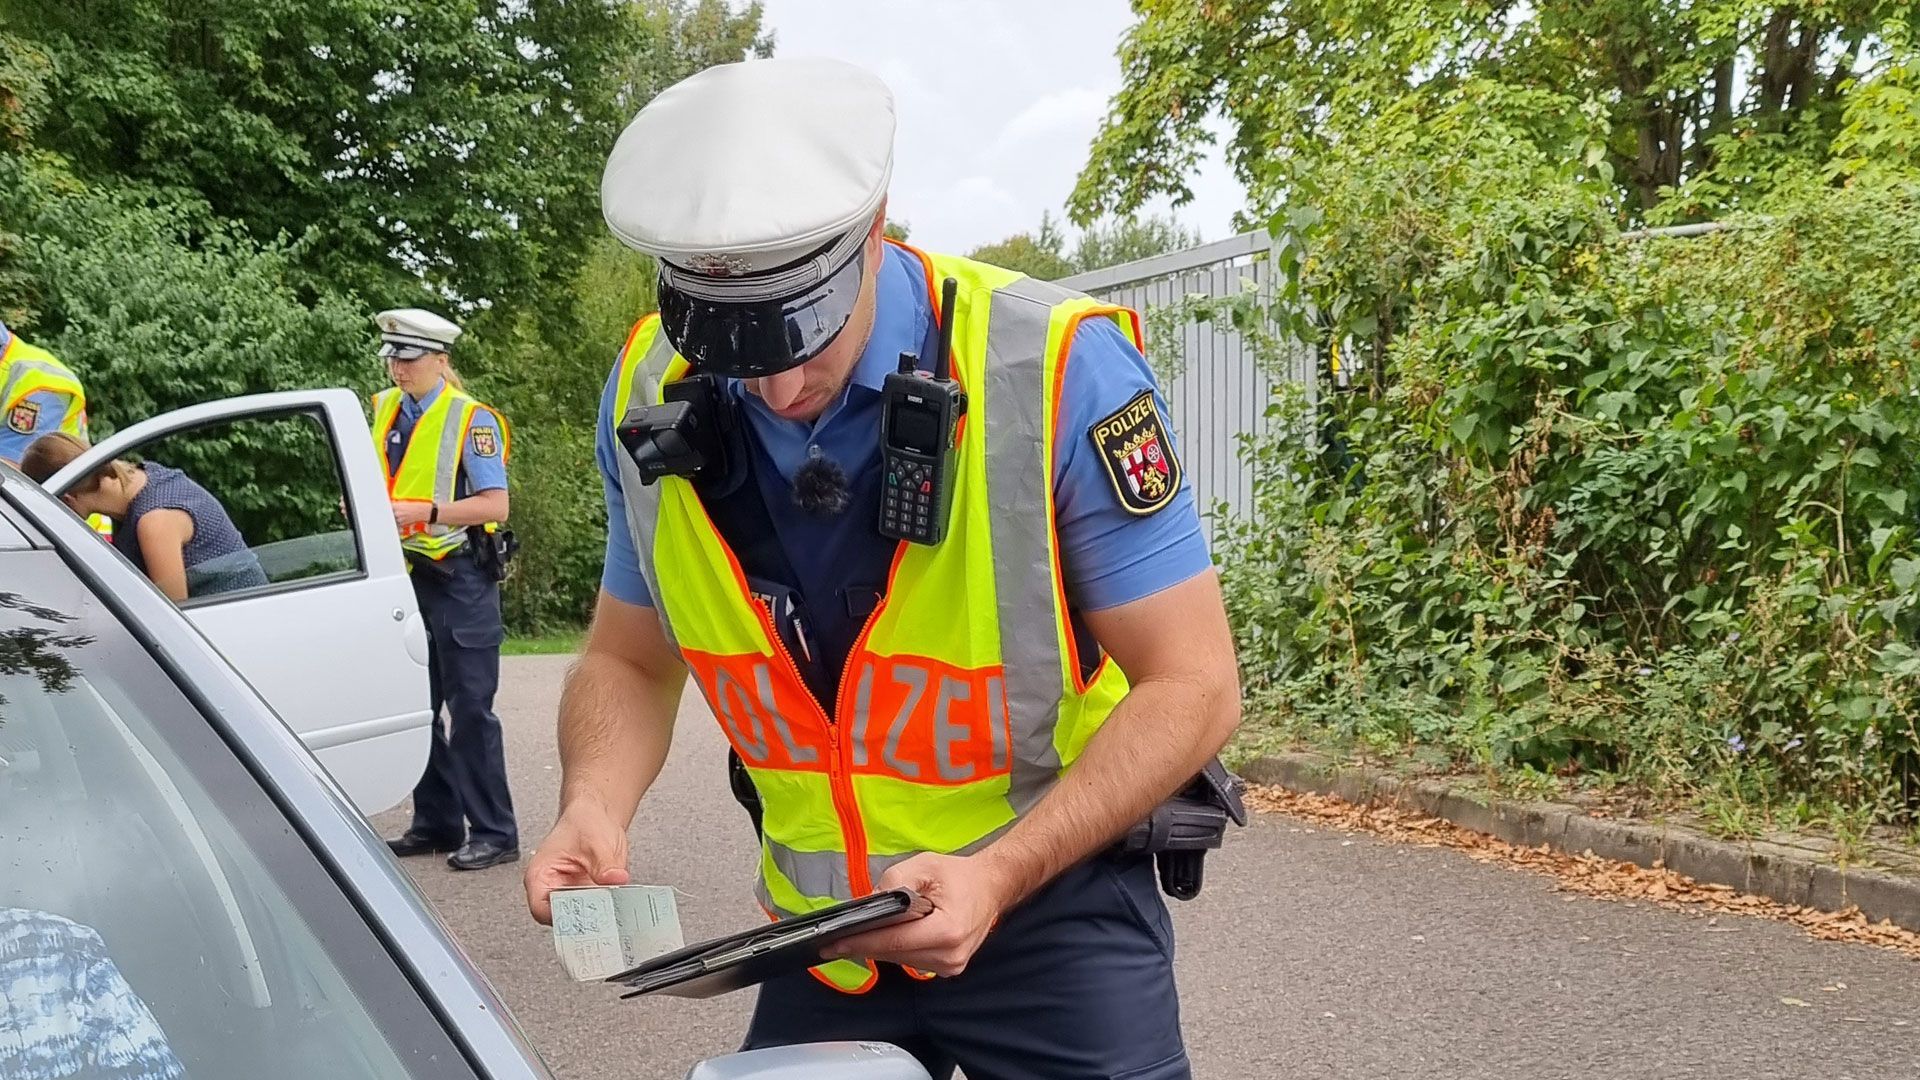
(159, 916)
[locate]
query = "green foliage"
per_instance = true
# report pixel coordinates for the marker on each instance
(159, 306)
(1596, 505)
(1675, 84)
(548, 383)
(450, 143)
(211, 199)
(1040, 255)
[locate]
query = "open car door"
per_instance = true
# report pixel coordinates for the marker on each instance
(332, 638)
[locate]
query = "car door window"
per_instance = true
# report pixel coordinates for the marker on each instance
(156, 907)
(267, 499)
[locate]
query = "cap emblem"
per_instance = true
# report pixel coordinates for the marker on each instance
(717, 265)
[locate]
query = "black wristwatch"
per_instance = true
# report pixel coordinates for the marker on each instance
(433, 513)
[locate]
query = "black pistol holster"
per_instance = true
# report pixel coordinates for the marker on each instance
(492, 549)
(1183, 829)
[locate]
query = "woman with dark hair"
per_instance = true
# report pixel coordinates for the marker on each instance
(164, 522)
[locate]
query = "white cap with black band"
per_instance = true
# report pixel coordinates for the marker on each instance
(755, 185)
(409, 332)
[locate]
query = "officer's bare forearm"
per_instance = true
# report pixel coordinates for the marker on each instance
(617, 712)
(476, 509)
(1182, 708)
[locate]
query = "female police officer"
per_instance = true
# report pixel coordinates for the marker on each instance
(445, 456)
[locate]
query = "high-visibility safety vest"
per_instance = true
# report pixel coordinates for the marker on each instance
(431, 462)
(28, 369)
(962, 699)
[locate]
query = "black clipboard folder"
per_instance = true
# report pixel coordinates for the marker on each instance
(710, 968)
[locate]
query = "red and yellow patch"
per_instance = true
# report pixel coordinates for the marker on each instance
(24, 417)
(1134, 446)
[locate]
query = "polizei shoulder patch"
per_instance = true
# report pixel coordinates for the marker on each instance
(1133, 445)
(24, 417)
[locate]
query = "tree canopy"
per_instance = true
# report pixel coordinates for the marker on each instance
(208, 199)
(1677, 85)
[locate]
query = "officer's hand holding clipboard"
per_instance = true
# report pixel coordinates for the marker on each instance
(709, 968)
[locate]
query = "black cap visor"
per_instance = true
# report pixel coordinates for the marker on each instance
(746, 340)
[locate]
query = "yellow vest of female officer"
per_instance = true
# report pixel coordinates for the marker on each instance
(431, 462)
(961, 701)
(26, 369)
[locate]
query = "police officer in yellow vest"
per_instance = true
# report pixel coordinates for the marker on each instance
(38, 395)
(446, 464)
(963, 662)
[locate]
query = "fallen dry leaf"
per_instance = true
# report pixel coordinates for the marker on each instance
(1585, 874)
(1795, 1002)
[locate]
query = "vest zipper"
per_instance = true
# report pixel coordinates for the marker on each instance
(845, 805)
(840, 753)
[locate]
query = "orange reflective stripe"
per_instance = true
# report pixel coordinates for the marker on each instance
(919, 719)
(1080, 685)
(766, 716)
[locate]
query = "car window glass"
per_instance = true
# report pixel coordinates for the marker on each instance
(267, 496)
(155, 906)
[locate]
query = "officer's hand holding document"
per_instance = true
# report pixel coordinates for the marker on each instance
(600, 930)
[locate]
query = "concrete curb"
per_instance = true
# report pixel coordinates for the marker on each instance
(1781, 873)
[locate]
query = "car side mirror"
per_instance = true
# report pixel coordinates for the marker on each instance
(815, 1061)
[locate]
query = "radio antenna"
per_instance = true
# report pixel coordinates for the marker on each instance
(943, 358)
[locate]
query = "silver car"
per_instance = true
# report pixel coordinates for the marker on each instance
(184, 891)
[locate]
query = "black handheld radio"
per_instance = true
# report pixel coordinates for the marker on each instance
(919, 419)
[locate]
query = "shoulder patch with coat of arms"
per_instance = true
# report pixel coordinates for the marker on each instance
(486, 442)
(24, 417)
(1138, 454)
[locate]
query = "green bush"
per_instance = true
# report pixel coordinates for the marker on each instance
(156, 307)
(548, 384)
(1628, 508)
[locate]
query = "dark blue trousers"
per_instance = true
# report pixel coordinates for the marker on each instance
(463, 793)
(1077, 984)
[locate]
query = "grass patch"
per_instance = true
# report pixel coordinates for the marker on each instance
(543, 644)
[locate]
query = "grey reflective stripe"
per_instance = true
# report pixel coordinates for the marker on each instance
(750, 739)
(1017, 486)
(914, 678)
(946, 733)
(763, 684)
(447, 465)
(643, 500)
(17, 370)
(823, 873)
(862, 713)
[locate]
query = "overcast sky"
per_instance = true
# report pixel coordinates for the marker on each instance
(998, 101)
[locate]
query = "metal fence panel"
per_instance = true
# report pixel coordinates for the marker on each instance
(1221, 390)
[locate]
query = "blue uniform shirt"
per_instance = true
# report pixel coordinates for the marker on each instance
(52, 406)
(478, 472)
(1109, 556)
(51, 412)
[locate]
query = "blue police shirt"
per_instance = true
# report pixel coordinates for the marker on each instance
(478, 471)
(47, 411)
(1109, 556)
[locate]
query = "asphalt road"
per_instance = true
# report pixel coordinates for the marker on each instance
(1311, 954)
